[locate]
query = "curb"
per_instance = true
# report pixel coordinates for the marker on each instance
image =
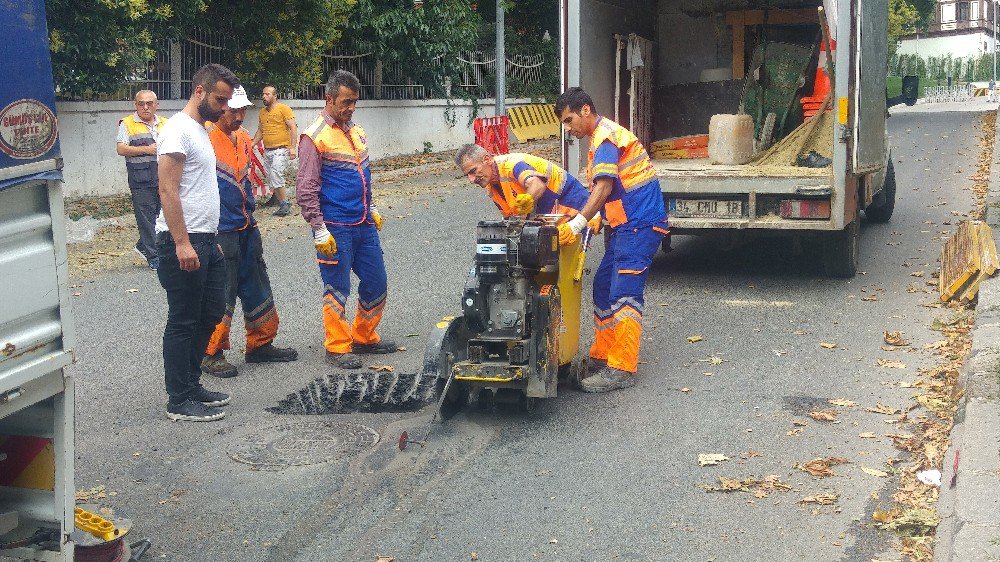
(970, 508)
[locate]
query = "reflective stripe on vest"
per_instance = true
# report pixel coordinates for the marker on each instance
(556, 199)
(636, 195)
(232, 170)
(345, 178)
(139, 135)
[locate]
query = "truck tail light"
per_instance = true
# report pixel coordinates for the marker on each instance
(805, 209)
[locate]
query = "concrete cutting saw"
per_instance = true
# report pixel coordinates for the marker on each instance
(519, 329)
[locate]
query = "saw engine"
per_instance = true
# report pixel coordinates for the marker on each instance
(505, 346)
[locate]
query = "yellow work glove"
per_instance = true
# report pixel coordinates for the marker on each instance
(377, 218)
(570, 230)
(524, 203)
(325, 243)
(595, 223)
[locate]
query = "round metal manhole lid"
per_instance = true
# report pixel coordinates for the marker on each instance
(300, 444)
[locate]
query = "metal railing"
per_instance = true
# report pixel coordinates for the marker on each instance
(938, 94)
(169, 73)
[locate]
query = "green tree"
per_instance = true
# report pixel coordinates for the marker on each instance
(278, 43)
(98, 44)
(424, 37)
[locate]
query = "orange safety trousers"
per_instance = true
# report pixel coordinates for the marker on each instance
(246, 278)
(619, 284)
(358, 250)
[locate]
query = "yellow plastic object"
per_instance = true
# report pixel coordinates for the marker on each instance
(967, 258)
(570, 292)
(95, 524)
(535, 121)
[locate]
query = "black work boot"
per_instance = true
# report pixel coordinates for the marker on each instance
(607, 379)
(217, 366)
(384, 346)
(594, 365)
(343, 360)
(267, 353)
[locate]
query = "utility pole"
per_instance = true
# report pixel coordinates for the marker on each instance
(501, 64)
(994, 5)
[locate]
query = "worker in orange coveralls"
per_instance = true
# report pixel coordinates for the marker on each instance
(246, 274)
(624, 188)
(334, 191)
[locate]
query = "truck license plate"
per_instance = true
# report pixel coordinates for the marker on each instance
(706, 208)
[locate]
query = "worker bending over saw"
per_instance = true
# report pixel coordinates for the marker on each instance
(625, 191)
(520, 184)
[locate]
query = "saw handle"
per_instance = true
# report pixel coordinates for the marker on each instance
(582, 258)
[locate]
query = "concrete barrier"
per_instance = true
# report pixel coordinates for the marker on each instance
(93, 167)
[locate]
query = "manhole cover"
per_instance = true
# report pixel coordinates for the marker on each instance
(299, 444)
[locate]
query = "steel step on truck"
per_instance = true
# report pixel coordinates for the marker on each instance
(36, 329)
(663, 68)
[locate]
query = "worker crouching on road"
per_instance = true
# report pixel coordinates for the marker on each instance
(239, 237)
(335, 194)
(624, 188)
(520, 184)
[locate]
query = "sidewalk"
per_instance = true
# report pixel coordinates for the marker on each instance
(969, 504)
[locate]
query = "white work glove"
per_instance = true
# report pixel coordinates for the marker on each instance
(376, 217)
(325, 243)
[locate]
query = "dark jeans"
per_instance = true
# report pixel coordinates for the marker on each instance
(196, 301)
(146, 205)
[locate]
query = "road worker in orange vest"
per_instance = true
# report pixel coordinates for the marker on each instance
(624, 190)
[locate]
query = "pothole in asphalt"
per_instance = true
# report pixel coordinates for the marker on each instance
(801, 404)
(360, 392)
(301, 444)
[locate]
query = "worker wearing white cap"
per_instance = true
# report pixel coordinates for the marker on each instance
(246, 274)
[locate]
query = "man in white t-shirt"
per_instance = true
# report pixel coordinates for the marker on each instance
(192, 269)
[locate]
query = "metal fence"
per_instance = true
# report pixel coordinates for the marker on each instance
(169, 73)
(936, 94)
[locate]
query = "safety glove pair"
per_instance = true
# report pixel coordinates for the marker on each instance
(326, 244)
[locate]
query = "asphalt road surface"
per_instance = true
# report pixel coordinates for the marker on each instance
(585, 477)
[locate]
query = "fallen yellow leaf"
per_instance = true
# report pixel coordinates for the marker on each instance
(867, 435)
(890, 364)
(880, 408)
(695, 339)
(820, 499)
(894, 338)
(843, 402)
(823, 415)
(827, 345)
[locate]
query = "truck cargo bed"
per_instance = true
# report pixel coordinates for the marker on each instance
(702, 167)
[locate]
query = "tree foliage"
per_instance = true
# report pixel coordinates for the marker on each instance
(424, 37)
(903, 19)
(279, 43)
(98, 44)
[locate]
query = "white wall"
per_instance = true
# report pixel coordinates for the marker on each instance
(92, 166)
(958, 45)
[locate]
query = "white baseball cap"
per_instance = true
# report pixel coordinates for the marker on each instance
(239, 99)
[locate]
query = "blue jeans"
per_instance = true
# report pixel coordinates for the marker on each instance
(196, 301)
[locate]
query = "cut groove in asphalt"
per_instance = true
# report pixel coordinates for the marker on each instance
(301, 444)
(361, 392)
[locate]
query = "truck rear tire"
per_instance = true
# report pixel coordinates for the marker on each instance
(882, 211)
(841, 250)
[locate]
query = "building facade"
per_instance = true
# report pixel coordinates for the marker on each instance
(961, 28)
